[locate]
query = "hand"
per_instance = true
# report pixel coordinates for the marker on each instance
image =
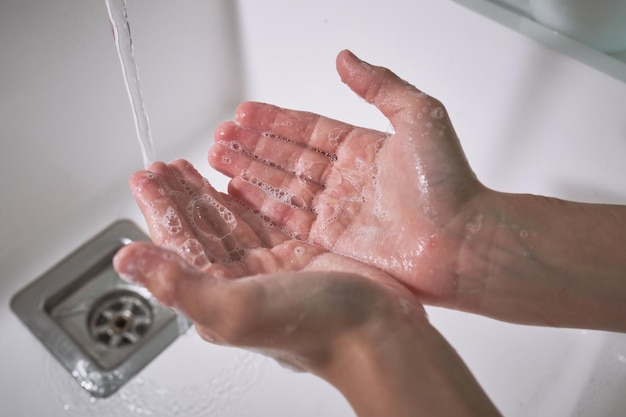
(401, 202)
(209, 264)
(356, 327)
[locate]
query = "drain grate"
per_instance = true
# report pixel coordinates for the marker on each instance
(119, 318)
(102, 329)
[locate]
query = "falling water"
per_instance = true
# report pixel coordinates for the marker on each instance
(124, 44)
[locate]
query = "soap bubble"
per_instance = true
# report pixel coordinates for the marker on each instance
(171, 221)
(193, 252)
(203, 212)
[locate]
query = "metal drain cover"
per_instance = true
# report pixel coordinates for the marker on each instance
(120, 318)
(102, 329)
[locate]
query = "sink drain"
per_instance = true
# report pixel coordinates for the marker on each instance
(100, 328)
(120, 318)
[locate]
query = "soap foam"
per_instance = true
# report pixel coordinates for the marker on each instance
(437, 113)
(193, 252)
(283, 195)
(200, 211)
(171, 221)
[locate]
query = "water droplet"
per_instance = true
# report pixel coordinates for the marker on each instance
(210, 217)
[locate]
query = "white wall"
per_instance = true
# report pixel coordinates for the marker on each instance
(66, 128)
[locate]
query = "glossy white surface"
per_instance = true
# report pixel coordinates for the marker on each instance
(601, 24)
(530, 118)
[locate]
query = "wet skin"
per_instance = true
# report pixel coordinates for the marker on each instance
(246, 284)
(332, 236)
(398, 201)
(409, 204)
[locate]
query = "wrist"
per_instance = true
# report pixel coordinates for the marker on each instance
(400, 365)
(544, 261)
(495, 255)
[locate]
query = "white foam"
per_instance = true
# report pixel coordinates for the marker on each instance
(475, 224)
(334, 136)
(284, 195)
(437, 113)
(233, 145)
(302, 166)
(171, 222)
(193, 252)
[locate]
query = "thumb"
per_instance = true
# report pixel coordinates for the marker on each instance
(223, 310)
(165, 274)
(398, 100)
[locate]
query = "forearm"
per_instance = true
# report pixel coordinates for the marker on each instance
(546, 261)
(410, 371)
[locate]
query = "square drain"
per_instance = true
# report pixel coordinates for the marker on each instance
(102, 329)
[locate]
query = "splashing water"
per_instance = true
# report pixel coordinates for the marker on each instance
(124, 44)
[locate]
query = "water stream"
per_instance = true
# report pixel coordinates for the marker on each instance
(123, 42)
(124, 45)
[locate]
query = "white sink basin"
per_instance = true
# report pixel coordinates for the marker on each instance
(530, 118)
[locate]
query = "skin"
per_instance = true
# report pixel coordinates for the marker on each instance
(409, 204)
(246, 284)
(332, 236)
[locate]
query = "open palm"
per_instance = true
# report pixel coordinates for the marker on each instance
(217, 235)
(244, 283)
(400, 202)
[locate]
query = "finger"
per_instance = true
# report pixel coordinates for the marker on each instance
(202, 297)
(310, 130)
(268, 232)
(277, 212)
(235, 312)
(214, 212)
(166, 208)
(158, 269)
(190, 178)
(279, 185)
(399, 101)
(237, 148)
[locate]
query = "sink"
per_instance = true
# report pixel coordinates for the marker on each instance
(100, 328)
(532, 120)
(516, 15)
